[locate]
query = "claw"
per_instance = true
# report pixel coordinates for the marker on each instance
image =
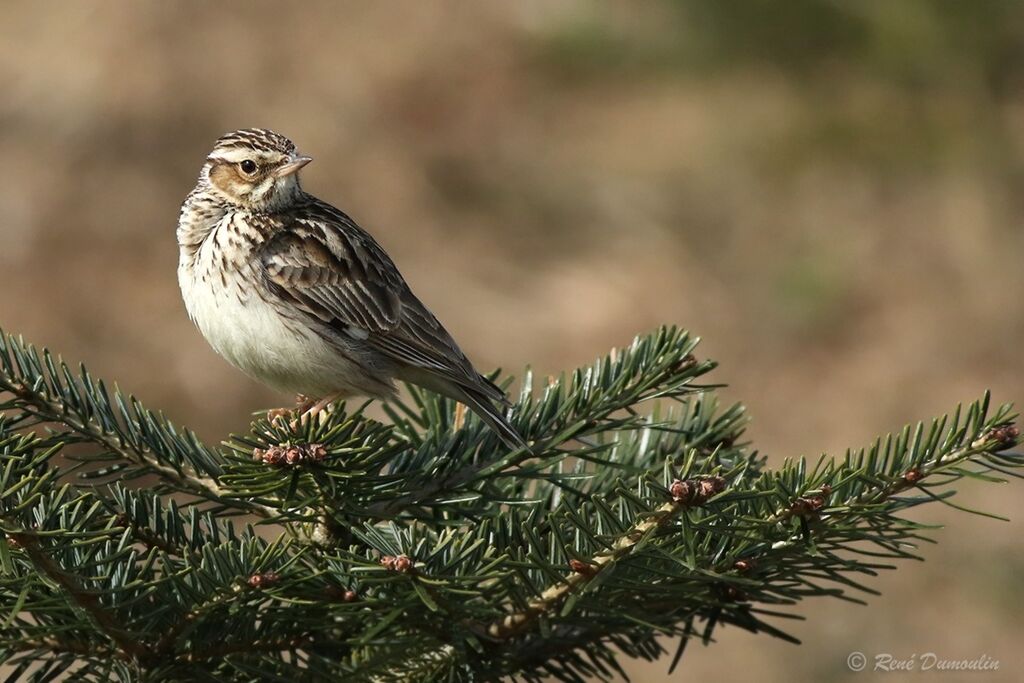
(303, 404)
(310, 412)
(278, 413)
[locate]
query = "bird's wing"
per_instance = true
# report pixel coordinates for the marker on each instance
(336, 272)
(333, 277)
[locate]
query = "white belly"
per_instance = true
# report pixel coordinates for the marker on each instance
(257, 339)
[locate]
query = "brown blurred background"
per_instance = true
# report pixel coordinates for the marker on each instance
(829, 193)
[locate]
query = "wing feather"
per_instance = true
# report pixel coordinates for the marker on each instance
(337, 273)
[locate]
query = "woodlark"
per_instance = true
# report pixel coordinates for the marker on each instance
(296, 295)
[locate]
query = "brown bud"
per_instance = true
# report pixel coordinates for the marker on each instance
(264, 580)
(1005, 435)
(709, 487)
(696, 491)
(826, 490)
(293, 455)
(681, 491)
(581, 567)
(338, 593)
(400, 563)
(744, 565)
(685, 363)
(800, 506)
(808, 505)
(913, 476)
(273, 456)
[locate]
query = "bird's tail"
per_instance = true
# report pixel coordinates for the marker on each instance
(479, 396)
(481, 404)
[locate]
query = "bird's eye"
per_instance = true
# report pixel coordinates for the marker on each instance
(248, 166)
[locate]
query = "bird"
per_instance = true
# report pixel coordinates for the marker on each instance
(296, 295)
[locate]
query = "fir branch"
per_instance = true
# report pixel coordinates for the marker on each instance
(227, 649)
(169, 639)
(599, 400)
(149, 539)
(50, 410)
(919, 466)
(47, 390)
(437, 552)
(107, 623)
(50, 645)
(685, 494)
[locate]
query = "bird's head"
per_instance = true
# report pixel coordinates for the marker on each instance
(255, 169)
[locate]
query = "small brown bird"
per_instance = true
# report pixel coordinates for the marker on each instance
(296, 295)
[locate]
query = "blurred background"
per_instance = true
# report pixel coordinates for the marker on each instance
(828, 193)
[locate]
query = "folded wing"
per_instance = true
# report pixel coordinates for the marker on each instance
(333, 270)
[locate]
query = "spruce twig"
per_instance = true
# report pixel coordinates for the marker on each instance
(127, 647)
(685, 494)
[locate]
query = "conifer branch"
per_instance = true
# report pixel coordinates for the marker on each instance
(50, 645)
(424, 548)
(41, 391)
(992, 439)
(227, 649)
(85, 599)
(151, 540)
(685, 494)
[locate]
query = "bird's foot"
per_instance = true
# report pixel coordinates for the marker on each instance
(310, 410)
(302, 404)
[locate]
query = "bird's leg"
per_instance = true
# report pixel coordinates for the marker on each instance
(302, 404)
(312, 409)
(460, 416)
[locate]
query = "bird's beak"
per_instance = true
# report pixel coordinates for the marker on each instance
(292, 166)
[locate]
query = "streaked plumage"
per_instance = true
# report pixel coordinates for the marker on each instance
(295, 294)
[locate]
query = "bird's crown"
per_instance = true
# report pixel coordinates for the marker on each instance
(256, 140)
